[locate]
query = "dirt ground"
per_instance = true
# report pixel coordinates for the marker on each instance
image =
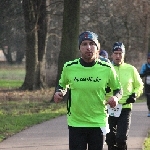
(15, 94)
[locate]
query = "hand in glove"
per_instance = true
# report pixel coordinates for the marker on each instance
(131, 99)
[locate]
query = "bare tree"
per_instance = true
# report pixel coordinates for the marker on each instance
(12, 30)
(70, 32)
(36, 30)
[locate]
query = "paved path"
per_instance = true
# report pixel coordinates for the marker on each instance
(53, 134)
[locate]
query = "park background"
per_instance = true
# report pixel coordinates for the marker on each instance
(43, 34)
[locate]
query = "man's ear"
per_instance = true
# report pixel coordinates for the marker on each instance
(98, 46)
(97, 53)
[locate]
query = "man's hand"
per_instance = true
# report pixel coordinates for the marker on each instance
(112, 101)
(58, 96)
(131, 99)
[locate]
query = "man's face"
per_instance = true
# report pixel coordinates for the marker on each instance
(118, 57)
(88, 50)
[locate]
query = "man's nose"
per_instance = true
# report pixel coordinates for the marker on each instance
(118, 55)
(88, 46)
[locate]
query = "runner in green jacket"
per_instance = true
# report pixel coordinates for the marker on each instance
(120, 116)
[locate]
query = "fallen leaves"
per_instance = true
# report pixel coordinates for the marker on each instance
(16, 95)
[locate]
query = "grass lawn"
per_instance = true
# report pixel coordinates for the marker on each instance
(11, 76)
(147, 142)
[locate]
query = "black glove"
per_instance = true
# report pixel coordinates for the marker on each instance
(142, 75)
(131, 99)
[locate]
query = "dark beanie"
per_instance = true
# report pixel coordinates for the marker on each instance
(88, 35)
(148, 55)
(103, 53)
(118, 46)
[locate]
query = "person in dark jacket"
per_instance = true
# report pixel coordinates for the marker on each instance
(145, 72)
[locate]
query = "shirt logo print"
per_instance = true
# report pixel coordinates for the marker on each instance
(90, 79)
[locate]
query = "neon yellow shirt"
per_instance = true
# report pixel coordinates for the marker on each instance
(131, 82)
(87, 84)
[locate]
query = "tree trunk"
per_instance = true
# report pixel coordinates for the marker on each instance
(70, 33)
(7, 53)
(146, 28)
(42, 44)
(35, 27)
